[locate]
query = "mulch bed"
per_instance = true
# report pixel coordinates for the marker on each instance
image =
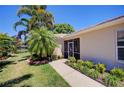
(3, 58)
(37, 62)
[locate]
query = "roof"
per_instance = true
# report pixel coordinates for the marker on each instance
(110, 22)
(60, 35)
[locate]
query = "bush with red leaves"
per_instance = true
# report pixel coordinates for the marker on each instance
(31, 62)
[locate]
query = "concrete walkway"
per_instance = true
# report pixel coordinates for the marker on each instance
(73, 77)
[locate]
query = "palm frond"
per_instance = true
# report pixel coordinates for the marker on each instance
(19, 23)
(24, 11)
(41, 42)
(25, 20)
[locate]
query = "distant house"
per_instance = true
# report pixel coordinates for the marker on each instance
(102, 43)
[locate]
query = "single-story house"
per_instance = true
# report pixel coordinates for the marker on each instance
(102, 43)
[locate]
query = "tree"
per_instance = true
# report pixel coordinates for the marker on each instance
(63, 28)
(22, 22)
(6, 44)
(37, 17)
(42, 42)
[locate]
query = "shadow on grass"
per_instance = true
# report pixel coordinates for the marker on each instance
(14, 55)
(11, 82)
(3, 64)
(23, 59)
(27, 57)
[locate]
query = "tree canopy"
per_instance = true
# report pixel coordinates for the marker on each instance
(63, 28)
(37, 17)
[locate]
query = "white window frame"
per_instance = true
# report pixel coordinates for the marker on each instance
(119, 61)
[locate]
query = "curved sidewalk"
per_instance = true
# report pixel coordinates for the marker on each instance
(73, 77)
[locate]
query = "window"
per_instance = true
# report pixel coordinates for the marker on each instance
(72, 47)
(65, 45)
(76, 45)
(120, 45)
(77, 48)
(65, 49)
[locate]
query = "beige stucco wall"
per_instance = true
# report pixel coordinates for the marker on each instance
(99, 45)
(60, 41)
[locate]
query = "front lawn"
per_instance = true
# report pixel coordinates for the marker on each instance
(15, 72)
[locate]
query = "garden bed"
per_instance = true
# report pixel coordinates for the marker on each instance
(113, 78)
(37, 62)
(3, 58)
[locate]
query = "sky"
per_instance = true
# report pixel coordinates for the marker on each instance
(79, 17)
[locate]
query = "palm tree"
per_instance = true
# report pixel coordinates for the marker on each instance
(25, 23)
(42, 42)
(38, 17)
(6, 44)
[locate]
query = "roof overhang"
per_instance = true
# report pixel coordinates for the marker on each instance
(112, 22)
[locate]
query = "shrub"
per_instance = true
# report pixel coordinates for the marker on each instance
(7, 45)
(74, 65)
(85, 70)
(31, 62)
(35, 57)
(94, 73)
(72, 59)
(79, 65)
(101, 68)
(69, 63)
(79, 61)
(111, 80)
(118, 72)
(4, 53)
(81, 68)
(54, 57)
(89, 64)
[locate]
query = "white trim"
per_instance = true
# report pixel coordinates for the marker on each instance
(121, 61)
(121, 40)
(120, 46)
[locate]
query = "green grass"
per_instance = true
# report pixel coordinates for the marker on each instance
(15, 72)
